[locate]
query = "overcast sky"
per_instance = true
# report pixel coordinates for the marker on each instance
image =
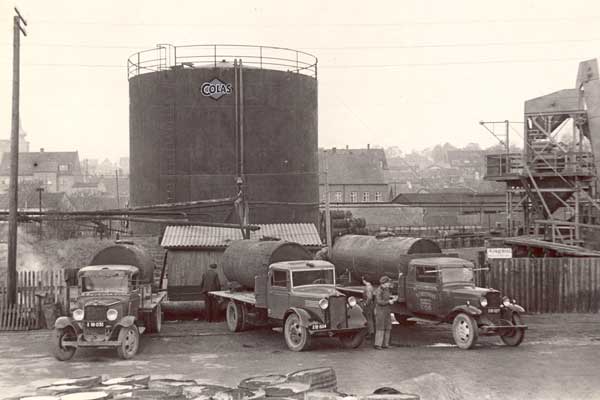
(405, 73)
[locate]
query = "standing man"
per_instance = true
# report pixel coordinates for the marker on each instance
(369, 306)
(383, 319)
(210, 282)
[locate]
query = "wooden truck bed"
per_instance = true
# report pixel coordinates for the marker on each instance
(244, 297)
(152, 301)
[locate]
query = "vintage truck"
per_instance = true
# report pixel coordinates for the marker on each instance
(429, 285)
(112, 302)
(277, 283)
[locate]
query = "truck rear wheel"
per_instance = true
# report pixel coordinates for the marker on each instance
(64, 353)
(129, 339)
(352, 340)
(236, 316)
(155, 322)
(465, 331)
(296, 336)
(516, 336)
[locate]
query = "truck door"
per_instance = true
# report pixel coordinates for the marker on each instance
(423, 295)
(278, 296)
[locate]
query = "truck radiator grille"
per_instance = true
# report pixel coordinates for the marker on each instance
(493, 299)
(95, 313)
(338, 312)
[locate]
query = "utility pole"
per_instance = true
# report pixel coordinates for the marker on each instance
(327, 209)
(117, 181)
(11, 277)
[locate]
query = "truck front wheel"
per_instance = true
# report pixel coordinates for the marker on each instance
(236, 316)
(465, 331)
(352, 340)
(297, 336)
(515, 337)
(64, 353)
(129, 342)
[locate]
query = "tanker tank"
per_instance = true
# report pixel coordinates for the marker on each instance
(372, 257)
(127, 254)
(243, 260)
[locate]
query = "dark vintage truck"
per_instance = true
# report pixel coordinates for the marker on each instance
(277, 283)
(429, 285)
(113, 301)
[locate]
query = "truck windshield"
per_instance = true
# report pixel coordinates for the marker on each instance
(313, 277)
(458, 274)
(105, 282)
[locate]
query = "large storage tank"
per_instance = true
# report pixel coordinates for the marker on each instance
(183, 140)
(373, 257)
(127, 254)
(245, 259)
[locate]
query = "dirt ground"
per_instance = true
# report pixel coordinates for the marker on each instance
(559, 359)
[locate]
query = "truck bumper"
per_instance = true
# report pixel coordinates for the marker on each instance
(85, 343)
(499, 329)
(333, 332)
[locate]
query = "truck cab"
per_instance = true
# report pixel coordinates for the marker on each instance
(443, 289)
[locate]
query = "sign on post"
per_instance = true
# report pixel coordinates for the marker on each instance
(499, 252)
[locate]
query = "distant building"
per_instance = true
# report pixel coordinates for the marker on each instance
(92, 187)
(53, 171)
(30, 201)
(466, 158)
(124, 165)
(353, 175)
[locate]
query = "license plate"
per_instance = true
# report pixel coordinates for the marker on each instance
(493, 311)
(94, 324)
(316, 327)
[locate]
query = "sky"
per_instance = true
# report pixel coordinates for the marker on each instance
(410, 74)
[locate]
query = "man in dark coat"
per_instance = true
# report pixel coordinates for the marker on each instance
(210, 283)
(383, 319)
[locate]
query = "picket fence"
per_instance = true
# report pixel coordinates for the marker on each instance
(38, 292)
(547, 285)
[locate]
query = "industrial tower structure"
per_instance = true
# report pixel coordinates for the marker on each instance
(553, 183)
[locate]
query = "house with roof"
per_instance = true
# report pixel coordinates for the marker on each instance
(53, 171)
(191, 249)
(353, 175)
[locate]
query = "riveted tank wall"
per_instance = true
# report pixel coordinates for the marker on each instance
(125, 254)
(245, 259)
(183, 144)
(374, 257)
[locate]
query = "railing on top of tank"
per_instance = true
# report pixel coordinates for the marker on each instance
(167, 56)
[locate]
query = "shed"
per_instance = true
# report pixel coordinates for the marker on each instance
(191, 249)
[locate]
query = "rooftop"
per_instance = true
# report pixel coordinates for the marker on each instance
(353, 166)
(44, 161)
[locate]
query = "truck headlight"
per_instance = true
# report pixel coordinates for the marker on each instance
(483, 301)
(506, 301)
(351, 301)
(323, 303)
(112, 314)
(78, 314)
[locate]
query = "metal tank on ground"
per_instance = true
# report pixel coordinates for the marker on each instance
(372, 257)
(199, 122)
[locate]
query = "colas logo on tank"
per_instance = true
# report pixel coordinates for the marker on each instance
(215, 89)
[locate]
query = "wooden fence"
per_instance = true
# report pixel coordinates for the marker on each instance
(40, 295)
(547, 285)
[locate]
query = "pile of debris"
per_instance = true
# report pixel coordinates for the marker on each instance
(308, 384)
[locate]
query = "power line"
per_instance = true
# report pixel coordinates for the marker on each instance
(342, 48)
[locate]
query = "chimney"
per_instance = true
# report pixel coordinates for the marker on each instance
(41, 150)
(368, 146)
(346, 147)
(333, 149)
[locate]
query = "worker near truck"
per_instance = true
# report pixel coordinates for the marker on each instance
(369, 306)
(383, 318)
(210, 282)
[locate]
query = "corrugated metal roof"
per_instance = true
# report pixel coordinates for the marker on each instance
(214, 237)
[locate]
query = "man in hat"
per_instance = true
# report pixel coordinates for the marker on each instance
(383, 319)
(210, 283)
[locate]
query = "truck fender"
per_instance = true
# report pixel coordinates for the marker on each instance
(515, 308)
(356, 317)
(63, 322)
(126, 322)
(302, 314)
(467, 309)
